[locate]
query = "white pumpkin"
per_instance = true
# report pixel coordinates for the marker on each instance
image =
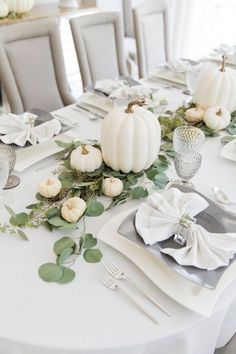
(20, 6)
(73, 209)
(86, 158)
(112, 187)
(4, 10)
(216, 87)
(49, 188)
(217, 118)
(194, 115)
(130, 139)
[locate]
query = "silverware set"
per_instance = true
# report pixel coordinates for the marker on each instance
(110, 275)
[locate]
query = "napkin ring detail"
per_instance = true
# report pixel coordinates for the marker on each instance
(184, 231)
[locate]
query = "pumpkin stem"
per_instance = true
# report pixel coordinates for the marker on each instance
(223, 63)
(84, 150)
(139, 101)
(219, 113)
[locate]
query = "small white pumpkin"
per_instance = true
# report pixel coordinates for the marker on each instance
(194, 115)
(216, 87)
(49, 188)
(73, 209)
(217, 118)
(130, 138)
(20, 6)
(4, 10)
(86, 158)
(112, 187)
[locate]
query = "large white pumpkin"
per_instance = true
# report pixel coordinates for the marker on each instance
(130, 138)
(20, 6)
(216, 87)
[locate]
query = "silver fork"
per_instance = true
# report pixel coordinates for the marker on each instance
(112, 285)
(114, 271)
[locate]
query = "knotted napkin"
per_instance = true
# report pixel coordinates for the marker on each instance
(20, 129)
(108, 85)
(132, 92)
(159, 218)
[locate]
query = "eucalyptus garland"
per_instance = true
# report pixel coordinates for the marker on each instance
(46, 212)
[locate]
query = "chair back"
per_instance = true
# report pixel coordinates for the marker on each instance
(152, 35)
(32, 66)
(99, 44)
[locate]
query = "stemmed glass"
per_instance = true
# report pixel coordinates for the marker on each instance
(9, 151)
(187, 165)
(187, 139)
(4, 173)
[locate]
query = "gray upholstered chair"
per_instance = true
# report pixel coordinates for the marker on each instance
(152, 35)
(32, 67)
(99, 44)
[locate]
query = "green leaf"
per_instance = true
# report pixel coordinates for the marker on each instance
(93, 255)
(89, 241)
(160, 166)
(151, 174)
(50, 272)
(94, 208)
(10, 211)
(164, 159)
(40, 197)
(19, 220)
(139, 192)
(33, 206)
(160, 180)
(171, 153)
(23, 235)
(69, 226)
(61, 144)
(62, 244)
(67, 276)
(57, 221)
(167, 146)
(64, 255)
(226, 139)
(53, 212)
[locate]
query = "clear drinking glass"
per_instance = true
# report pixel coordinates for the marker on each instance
(4, 173)
(187, 139)
(187, 165)
(10, 153)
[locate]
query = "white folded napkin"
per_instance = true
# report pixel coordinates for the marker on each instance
(158, 219)
(205, 250)
(19, 129)
(178, 65)
(133, 92)
(108, 85)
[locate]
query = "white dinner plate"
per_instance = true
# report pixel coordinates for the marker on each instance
(190, 295)
(168, 75)
(28, 156)
(229, 151)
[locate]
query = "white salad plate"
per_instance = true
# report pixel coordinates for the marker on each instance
(229, 151)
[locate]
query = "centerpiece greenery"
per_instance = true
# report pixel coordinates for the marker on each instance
(88, 186)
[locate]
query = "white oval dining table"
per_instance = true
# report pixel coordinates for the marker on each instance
(84, 317)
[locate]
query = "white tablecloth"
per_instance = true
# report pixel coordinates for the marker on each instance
(84, 317)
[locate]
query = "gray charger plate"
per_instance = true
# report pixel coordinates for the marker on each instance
(213, 219)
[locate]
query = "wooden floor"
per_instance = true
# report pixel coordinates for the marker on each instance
(230, 348)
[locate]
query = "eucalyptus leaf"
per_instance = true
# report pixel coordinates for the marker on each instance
(40, 197)
(160, 180)
(94, 208)
(89, 241)
(170, 153)
(139, 192)
(53, 212)
(68, 226)
(62, 244)
(23, 235)
(57, 221)
(93, 255)
(10, 211)
(151, 173)
(64, 255)
(67, 276)
(20, 219)
(161, 166)
(50, 272)
(62, 144)
(33, 206)
(226, 139)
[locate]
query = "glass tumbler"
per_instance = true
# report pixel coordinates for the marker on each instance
(187, 139)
